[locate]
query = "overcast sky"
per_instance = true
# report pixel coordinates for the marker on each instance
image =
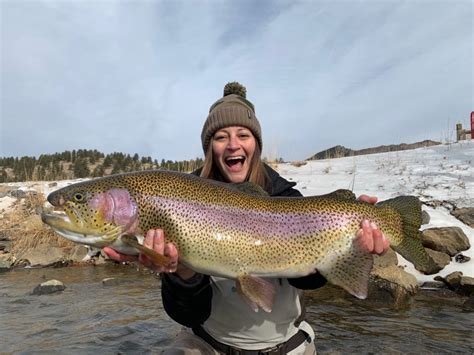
(139, 76)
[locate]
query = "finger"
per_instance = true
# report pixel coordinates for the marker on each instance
(386, 243)
(369, 199)
(366, 237)
(172, 253)
(148, 241)
(159, 241)
(378, 239)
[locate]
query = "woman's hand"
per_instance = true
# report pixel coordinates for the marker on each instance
(155, 240)
(370, 238)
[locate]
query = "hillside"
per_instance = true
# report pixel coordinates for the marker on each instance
(340, 151)
(83, 163)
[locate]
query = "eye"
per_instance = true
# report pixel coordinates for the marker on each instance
(219, 137)
(78, 197)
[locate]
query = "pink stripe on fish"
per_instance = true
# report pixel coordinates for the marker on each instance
(254, 222)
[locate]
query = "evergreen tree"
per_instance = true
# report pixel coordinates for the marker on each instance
(81, 169)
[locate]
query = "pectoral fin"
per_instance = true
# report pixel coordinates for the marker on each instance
(158, 259)
(257, 292)
(349, 270)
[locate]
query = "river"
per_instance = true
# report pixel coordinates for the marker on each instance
(127, 317)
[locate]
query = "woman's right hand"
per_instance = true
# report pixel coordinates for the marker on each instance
(155, 240)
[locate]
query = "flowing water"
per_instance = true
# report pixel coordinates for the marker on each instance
(127, 317)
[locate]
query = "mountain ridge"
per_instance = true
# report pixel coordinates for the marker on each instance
(340, 151)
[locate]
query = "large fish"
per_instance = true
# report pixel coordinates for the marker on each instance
(222, 231)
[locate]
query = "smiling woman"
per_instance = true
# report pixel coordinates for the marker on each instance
(232, 140)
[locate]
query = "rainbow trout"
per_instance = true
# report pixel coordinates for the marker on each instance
(222, 231)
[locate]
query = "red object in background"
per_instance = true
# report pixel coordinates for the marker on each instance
(472, 124)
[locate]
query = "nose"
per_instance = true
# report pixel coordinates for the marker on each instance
(233, 143)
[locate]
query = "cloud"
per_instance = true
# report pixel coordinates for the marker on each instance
(140, 76)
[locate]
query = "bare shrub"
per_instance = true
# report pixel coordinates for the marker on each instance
(25, 228)
(299, 163)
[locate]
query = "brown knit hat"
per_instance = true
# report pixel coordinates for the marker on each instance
(232, 110)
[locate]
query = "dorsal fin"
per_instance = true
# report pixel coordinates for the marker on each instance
(341, 194)
(250, 188)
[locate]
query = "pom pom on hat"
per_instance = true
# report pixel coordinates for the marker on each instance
(233, 109)
(235, 88)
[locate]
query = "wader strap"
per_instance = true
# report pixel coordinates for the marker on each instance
(280, 349)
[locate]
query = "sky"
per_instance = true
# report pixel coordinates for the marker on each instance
(140, 76)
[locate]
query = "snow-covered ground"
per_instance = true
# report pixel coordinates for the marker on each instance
(443, 172)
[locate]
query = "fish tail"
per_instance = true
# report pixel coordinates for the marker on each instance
(410, 246)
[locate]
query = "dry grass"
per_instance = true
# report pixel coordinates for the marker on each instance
(299, 163)
(26, 230)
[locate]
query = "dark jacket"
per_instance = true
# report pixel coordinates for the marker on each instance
(189, 302)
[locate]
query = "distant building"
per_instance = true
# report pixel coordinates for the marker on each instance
(462, 134)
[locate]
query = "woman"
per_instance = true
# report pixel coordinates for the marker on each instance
(221, 322)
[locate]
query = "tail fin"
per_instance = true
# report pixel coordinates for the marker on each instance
(410, 246)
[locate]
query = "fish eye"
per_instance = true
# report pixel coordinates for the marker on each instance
(78, 197)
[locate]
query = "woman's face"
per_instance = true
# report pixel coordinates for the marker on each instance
(233, 149)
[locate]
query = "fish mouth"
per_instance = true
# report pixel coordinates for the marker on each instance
(62, 224)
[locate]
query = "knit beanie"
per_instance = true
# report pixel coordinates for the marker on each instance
(233, 109)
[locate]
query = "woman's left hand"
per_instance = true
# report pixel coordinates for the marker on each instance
(370, 238)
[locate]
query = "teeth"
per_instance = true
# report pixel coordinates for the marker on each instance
(235, 158)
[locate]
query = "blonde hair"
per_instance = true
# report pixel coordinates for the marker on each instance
(257, 172)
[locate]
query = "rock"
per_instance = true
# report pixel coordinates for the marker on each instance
(466, 286)
(393, 285)
(5, 246)
(465, 215)
(77, 253)
(388, 259)
(6, 261)
(18, 194)
(59, 264)
(454, 279)
(425, 217)
(42, 255)
(449, 240)
(4, 237)
(462, 285)
(462, 258)
(469, 304)
(433, 285)
(441, 259)
(48, 287)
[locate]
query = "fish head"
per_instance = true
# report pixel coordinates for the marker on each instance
(92, 213)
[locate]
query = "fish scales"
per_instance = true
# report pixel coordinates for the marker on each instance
(222, 231)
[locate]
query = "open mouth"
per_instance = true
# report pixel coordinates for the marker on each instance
(235, 163)
(61, 223)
